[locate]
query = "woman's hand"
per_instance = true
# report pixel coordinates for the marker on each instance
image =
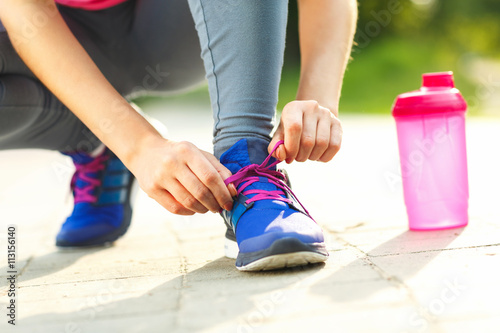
(309, 130)
(182, 178)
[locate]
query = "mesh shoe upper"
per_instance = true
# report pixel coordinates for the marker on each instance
(265, 208)
(101, 189)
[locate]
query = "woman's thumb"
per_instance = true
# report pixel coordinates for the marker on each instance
(280, 152)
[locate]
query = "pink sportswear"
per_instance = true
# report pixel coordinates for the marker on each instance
(90, 4)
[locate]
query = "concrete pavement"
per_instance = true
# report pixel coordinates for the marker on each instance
(168, 273)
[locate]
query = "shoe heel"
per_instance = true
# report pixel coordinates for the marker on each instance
(230, 248)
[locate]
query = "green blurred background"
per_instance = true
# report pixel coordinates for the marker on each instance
(397, 41)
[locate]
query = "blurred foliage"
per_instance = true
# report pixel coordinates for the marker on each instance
(462, 25)
(397, 41)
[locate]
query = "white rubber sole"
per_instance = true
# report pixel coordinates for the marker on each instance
(284, 260)
(230, 248)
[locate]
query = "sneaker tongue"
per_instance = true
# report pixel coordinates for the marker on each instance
(80, 183)
(82, 159)
(245, 152)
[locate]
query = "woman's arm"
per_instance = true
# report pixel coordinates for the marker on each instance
(60, 62)
(309, 125)
(326, 30)
(178, 175)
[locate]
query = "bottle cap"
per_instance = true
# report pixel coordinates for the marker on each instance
(441, 79)
(437, 95)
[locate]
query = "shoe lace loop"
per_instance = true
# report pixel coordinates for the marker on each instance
(250, 174)
(84, 173)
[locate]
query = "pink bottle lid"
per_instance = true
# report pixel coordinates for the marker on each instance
(437, 95)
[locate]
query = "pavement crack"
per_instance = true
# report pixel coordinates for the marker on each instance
(345, 229)
(183, 270)
(391, 279)
(91, 280)
(432, 250)
(30, 259)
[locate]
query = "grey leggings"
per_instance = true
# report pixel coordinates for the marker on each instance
(145, 46)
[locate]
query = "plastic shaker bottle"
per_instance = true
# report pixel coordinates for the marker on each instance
(431, 136)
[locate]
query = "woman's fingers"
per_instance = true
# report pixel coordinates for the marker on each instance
(183, 179)
(224, 173)
(335, 141)
(279, 135)
(309, 131)
(168, 202)
(194, 194)
(200, 178)
(292, 125)
(212, 174)
(322, 140)
(308, 136)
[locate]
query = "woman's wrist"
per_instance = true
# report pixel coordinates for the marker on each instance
(144, 143)
(128, 134)
(324, 90)
(326, 102)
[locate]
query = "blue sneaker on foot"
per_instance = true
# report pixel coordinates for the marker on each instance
(102, 212)
(272, 229)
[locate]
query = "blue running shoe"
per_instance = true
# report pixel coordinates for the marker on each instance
(272, 228)
(102, 212)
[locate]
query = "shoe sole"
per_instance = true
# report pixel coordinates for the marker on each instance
(281, 261)
(283, 253)
(230, 248)
(105, 240)
(230, 245)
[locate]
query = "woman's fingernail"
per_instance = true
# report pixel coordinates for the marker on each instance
(232, 190)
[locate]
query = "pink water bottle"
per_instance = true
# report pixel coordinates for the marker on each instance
(431, 135)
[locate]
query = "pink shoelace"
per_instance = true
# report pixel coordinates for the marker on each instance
(82, 173)
(250, 174)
